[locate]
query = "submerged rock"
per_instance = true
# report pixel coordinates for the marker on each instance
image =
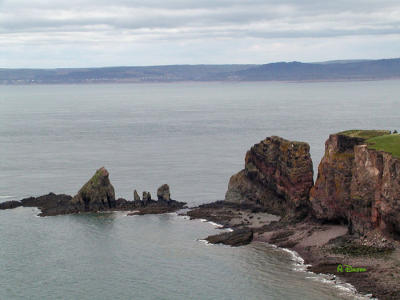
(163, 193)
(10, 204)
(97, 194)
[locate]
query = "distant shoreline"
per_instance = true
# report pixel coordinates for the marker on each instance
(196, 81)
(279, 71)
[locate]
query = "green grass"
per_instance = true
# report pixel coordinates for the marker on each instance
(364, 134)
(389, 143)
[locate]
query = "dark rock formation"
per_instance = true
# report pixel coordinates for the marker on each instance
(357, 185)
(163, 193)
(235, 238)
(278, 174)
(10, 204)
(97, 194)
(51, 204)
(123, 204)
(136, 196)
(158, 207)
(146, 196)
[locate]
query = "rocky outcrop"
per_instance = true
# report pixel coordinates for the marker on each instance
(235, 238)
(51, 204)
(163, 193)
(278, 175)
(357, 185)
(97, 194)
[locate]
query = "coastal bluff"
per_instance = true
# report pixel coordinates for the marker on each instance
(350, 216)
(358, 182)
(98, 195)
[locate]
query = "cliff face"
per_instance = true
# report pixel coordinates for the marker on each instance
(278, 174)
(358, 185)
(375, 190)
(330, 196)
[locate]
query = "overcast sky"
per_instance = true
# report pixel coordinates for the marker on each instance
(80, 33)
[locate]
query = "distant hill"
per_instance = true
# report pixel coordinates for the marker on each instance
(360, 70)
(281, 71)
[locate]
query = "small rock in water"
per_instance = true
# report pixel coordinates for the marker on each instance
(163, 193)
(136, 196)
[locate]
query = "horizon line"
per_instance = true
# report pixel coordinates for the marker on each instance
(202, 64)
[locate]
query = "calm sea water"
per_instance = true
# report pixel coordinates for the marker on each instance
(192, 136)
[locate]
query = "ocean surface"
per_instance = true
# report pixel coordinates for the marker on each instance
(193, 136)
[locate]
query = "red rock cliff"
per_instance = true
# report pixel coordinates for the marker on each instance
(357, 185)
(278, 174)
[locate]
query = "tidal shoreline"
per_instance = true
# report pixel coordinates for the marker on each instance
(317, 244)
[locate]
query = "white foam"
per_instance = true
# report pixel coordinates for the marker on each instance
(215, 224)
(346, 289)
(297, 259)
(6, 197)
(204, 242)
(131, 212)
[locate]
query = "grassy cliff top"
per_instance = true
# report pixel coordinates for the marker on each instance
(389, 143)
(364, 134)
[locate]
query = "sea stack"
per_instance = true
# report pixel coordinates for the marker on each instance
(163, 193)
(278, 176)
(97, 194)
(146, 197)
(136, 196)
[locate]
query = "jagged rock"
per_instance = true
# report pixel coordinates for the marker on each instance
(10, 204)
(146, 196)
(163, 193)
(278, 175)
(136, 196)
(97, 194)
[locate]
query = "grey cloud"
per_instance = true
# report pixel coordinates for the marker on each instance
(79, 23)
(193, 14)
